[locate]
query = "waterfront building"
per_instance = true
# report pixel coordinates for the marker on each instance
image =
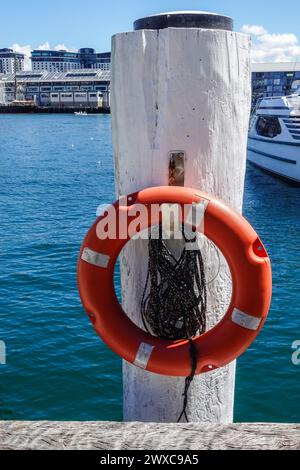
(273, 79)
(85, 87)
(63, 61)
(10, 61)
(268, 79)
(102, 61)
(54, 61)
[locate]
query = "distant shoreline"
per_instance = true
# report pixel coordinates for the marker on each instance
(48, 110)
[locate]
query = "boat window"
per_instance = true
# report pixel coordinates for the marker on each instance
(268, 126)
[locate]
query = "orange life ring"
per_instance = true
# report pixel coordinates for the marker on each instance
(251, 290)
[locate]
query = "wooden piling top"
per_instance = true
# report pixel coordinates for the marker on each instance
(51, 435)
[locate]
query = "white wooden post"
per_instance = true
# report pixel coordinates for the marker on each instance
(181, 88)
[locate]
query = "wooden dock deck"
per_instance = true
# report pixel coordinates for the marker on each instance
(51, 435)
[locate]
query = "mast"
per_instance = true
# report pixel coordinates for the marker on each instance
(15, 72)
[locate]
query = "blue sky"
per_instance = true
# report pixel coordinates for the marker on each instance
(79, 23)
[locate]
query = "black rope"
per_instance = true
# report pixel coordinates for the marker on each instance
(188, 380)
(175, 299)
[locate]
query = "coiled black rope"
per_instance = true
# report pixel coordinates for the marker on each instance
(174, 300)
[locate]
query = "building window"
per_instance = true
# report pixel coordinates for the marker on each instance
(268, 126)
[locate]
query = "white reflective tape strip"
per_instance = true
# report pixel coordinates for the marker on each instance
(245, 321)
(97, 259)
(143, 355)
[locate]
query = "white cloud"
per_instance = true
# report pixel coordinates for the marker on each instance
(253, 29)
(278, 40)
(26, 50)
(44, 47)
(270, 47)
(62, 47)
(59, 47)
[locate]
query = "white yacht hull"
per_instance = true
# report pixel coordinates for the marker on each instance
(280, 159)
(274, 136)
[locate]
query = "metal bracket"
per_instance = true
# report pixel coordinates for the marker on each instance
(176, 168)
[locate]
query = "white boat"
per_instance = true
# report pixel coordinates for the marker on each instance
(274, 136)
(81, 113)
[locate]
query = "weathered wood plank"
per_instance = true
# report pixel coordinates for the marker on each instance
(187, 90)
(50, 435)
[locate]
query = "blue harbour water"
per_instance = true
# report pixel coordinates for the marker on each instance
(54, 171)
